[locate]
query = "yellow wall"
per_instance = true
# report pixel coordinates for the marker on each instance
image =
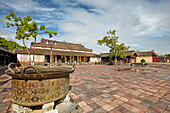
(137, 59)
(147, 58)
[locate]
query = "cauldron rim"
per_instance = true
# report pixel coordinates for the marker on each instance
(39, 72)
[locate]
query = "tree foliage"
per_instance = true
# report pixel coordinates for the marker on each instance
(142, 60)
(167, 54)
(121, 48)
(10, 45)
(26, 28)
(111, 41)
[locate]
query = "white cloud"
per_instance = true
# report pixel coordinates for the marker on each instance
(85, 21)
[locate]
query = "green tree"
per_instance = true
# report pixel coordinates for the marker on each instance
(167, 54)
(121, 48)
(111, 41)
(10, 45)
(26, 28)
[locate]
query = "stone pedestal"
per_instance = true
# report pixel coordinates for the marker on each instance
(48, 107)
(20, 109)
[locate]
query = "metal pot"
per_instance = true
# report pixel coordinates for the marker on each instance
(33, 86)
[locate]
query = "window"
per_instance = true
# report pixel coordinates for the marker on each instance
(46, 42)
(54, 43)
(25, 57)
(38, 57)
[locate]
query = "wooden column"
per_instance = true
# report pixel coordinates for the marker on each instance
(70, 58)
(80, 59)
(64, 58)
(73, 58)
(56, 58)
(77, 58)
(84, 59)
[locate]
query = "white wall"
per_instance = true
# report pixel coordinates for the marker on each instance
(25, 58)
(148, 58)
(95, 59)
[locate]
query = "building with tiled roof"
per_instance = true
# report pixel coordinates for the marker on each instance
(6, 56)
(61, 51)
(131, 57)
(134, 57)
(149, 56)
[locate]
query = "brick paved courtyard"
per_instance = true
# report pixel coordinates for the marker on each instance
(121, 89)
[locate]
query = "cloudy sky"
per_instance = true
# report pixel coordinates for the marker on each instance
(141, 24)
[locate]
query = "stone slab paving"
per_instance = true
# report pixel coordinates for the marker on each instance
(110, 89)
(121, 89)
(5, 92)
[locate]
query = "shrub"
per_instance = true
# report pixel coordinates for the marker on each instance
(143, 60)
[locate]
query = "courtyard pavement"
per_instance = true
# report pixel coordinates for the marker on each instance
(110, 89)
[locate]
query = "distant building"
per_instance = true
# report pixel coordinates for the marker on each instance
(133, 57)
(162, 58)
(61, 52)
(149, 56)
(6, 56)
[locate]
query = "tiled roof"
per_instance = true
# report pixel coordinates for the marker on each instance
(54, 52)
(147, 53)
(6, 50)
(60, 45)
(128, 53)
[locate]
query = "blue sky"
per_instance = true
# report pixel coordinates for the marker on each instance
(141, 24)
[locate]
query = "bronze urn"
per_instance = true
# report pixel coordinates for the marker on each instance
(37, 85)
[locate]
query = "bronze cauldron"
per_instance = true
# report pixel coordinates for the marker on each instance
(37, 85)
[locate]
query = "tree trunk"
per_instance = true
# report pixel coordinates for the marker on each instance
(115, 59)
(115, 52)
(27, 51)
(34, 51)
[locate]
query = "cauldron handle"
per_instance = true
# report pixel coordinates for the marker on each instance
(16, 67)
(35, 68)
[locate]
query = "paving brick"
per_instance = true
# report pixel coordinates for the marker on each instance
(87, 108)
(100, 103)
(78, 100)
(114, 111)
(94, 105)
(118, 102)
(161, 104)
(117, 96)
(89, 101)
(2, 97)
(146, 104)
(122, 109)
(127, 106)
(100, 110)
(82, 104)
(107, 107)
(113, 104)
(105, 95)
(142, 107)
(4, 111)
(157, 109)
(5, 105)
(95, 99)
(124, 99)
(136, 110)
(127, 89)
